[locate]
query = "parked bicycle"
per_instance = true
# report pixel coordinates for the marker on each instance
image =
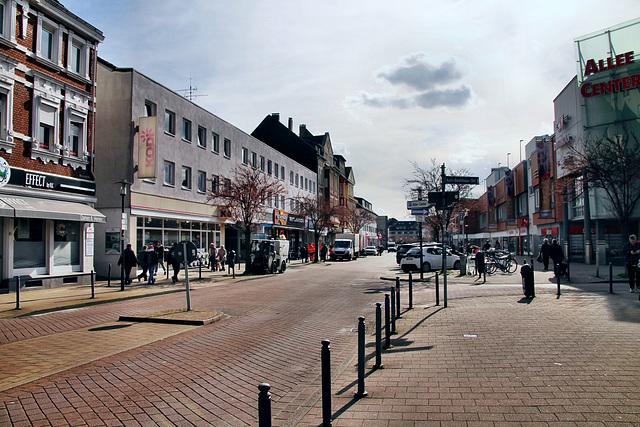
(504, 261)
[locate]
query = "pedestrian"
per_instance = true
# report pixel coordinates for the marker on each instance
(213, 257)
(231, 261)
(497, 245)
(631, 253)
(304, 252)
(174, 261)
(128, 261)
(323, 252)
(545, 250)
(160, 254)
(142, 263)
(151, 259)
(222, 256)
(486, 246)
(480, 266)
(557, 255)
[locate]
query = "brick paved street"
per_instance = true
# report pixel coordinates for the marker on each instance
(490, 358)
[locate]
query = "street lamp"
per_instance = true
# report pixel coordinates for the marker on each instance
(520, 149)
(508, 154)
(123, 228)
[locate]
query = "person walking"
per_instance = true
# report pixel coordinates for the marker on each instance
(545, 250)
(323, 252)
(160, 255)
(213, 257)
(480, 266)
(486, 246)
(631, 253)
(151, 259)
(174, 261)
(142, 263)
(557, 255)
(128, 260)
(222, 256)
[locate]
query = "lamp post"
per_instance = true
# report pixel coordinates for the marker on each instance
(520, 149)
(508, 155)
(123, 228)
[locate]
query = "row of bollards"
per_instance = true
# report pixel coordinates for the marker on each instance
(19, 285)
(392, 311)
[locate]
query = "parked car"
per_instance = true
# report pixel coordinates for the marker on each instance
(403, 249)
(431, 259)
(391, 246)
(371, 250)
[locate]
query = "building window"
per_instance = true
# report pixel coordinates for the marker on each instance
(186, 178)
(245, 156)
(254, 160)
(49, 41)
(276, 169)
(297, 179)
(282, 173)
(215, 142)
(202, 137)
(170, 122)
(75, 138)
(149, 109)
(78, 56)
(277, 202)
(291, 177)
(29, 243)
(169, 173)
(269, 167)
(262, 163)
(66, 243)
(7, 24)
(227, 185)
(186, 130)
(281, 201)
(215, 184)
(202, 182)
(227, 148)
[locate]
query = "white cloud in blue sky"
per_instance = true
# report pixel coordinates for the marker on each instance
(462, 81)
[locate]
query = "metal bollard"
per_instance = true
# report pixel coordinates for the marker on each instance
(264, 405)
(610, 278)
(200, 269)
(109, 276)
(387, 322)
(558, 277)
(393, 309)
(17, 292)
(326, 383)
(93, 284)
(378, 336)
(532, 264)
(437, 289)
(398, 316)
(410, 292)
(361, 360)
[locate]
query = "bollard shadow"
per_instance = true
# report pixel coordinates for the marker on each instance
(420, 322)
(408, 350)
(354, 383)
(344, 409)
(525, 300)
(109, 327)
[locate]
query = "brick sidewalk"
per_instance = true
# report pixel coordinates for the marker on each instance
(493, 358)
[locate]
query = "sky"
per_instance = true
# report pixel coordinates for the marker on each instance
(396, 84)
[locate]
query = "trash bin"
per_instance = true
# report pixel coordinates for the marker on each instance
(528, 286)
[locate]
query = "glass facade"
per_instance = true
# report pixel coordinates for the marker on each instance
(150, 230)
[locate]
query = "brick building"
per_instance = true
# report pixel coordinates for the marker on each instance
(47, 186)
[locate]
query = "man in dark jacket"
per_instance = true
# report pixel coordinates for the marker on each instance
(545, 250)
(480, 264)
(631, 253)
(130, 261)
(556, 254)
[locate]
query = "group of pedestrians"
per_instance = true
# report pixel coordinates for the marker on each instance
(217, 257)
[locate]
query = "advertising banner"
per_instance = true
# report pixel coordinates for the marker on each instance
(543, 147)
(147, 152)
(510, 188)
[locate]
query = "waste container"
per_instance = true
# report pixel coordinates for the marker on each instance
(528, 286)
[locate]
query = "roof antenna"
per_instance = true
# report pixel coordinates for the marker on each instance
(190, 93)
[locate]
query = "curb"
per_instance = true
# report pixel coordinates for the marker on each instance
(144, 319)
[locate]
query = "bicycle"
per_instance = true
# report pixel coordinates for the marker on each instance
(506, 263)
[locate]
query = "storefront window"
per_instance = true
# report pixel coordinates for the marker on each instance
(66, 243)
(170, 223)
(29, 248)
(153, 222)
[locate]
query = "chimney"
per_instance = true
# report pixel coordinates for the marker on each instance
(303, 127)
(291, 124)
(276, 115)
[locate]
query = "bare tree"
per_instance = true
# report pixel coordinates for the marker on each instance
(355, 218)
(243, 199)
(611, 164)
(428, 180)
(319, 215)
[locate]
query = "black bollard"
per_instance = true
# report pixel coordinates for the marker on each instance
(437, 290)
(200, 269)
(610, 278)
(410, 292)
(264, 405)
(326, 383)
(361, 360)
(398, 316)
(532, 264)
(93, 284)
(378, 336)
(393, 309)
(558, 277)
(17, 292)
(109, 276)
(387, 322)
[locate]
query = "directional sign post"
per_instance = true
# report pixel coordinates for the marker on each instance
(419, 212)
(473, 180)
(418, 204)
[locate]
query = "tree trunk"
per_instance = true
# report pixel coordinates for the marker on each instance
(247, 250)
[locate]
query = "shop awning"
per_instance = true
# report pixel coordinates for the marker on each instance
(30, 207)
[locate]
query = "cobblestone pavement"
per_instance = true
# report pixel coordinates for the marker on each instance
(490, 358)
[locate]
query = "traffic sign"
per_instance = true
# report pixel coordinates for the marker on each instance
(474, 180)
(451, 197)
(418, 204)
(419, 211)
